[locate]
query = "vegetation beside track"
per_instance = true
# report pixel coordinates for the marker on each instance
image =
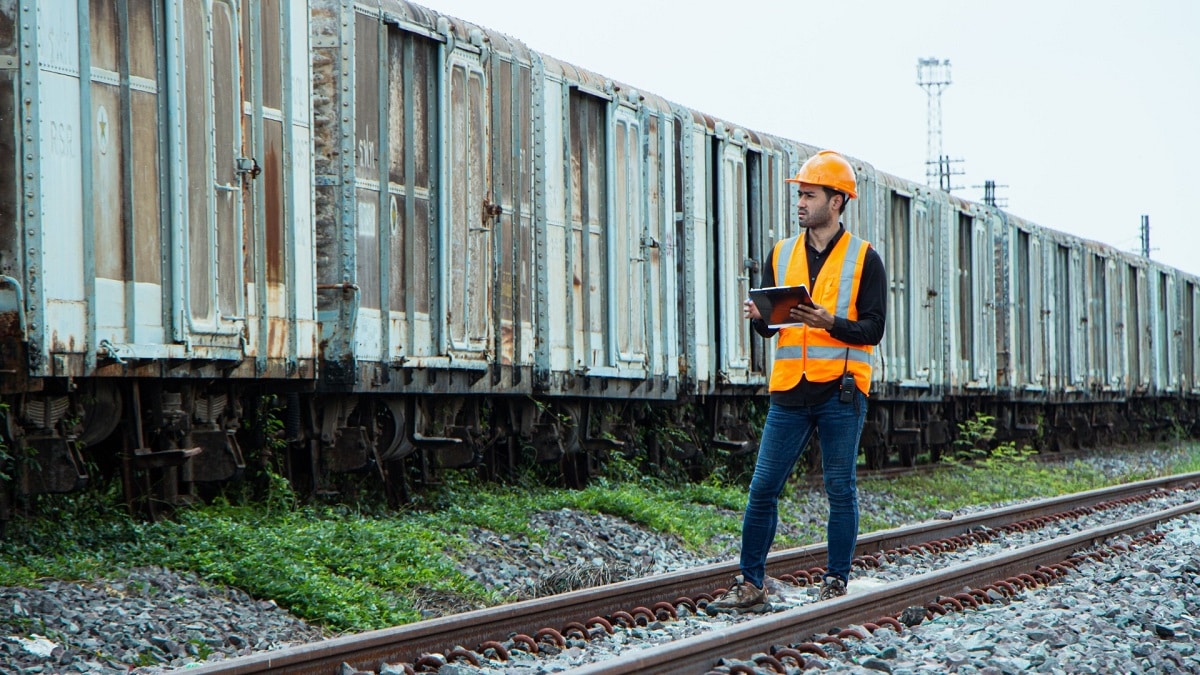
(354, 565)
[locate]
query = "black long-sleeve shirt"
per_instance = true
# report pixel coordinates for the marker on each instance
(867, 330)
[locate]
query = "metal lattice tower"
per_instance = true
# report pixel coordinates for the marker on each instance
(933, 75)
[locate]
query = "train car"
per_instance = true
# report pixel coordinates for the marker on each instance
(424, 200)
(472, 158)
(156, 255)
(913, 374)
(733, 208)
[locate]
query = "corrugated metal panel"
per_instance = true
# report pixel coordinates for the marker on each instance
(699, 310)
(546, 121)
(557, 325)
(1189, 343)
(57, 121)
(331, 30)
(299, 172)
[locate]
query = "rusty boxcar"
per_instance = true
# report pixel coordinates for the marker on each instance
(156, 252)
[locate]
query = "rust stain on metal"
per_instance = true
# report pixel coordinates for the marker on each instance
(277, 333)
(273, 168)
(10, 325)
(507, 345)
(277, 328)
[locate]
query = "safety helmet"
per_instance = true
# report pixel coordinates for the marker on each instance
(829, 169)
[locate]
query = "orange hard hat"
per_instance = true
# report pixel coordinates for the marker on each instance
(829, 169)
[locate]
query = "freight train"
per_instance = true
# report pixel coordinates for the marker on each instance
(437, 248)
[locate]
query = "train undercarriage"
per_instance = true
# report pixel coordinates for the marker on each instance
(174, 442)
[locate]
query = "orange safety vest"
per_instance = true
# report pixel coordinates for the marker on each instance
(803, 351)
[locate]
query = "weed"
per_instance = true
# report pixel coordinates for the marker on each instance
(200, 649)
(974, 437)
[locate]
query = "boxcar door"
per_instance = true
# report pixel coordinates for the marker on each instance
(923, 295)
(1096, 315)
(983, 287)
(1036, 289)
(125, 93)
(470, 216)
(963, 366)
(1078, 318)
(627, 276)
(895, 250)
(1133, 328)
(1062, 314)
(1165, 376)
(212, 147)
(587, 216)
(732, 272)
(1189, 332)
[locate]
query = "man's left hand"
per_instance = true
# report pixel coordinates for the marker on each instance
(815, 317)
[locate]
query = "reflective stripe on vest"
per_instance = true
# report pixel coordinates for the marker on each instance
(812, 352)
(850, 352)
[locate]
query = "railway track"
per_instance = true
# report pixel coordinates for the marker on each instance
(648, 599)
(1027, 567)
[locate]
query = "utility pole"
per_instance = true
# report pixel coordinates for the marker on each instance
(989, 194)
(933, 75)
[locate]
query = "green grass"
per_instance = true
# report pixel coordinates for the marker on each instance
(351, 569)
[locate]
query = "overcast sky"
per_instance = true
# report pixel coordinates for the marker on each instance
(1088, 111)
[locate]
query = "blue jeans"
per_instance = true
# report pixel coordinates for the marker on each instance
(785, 435)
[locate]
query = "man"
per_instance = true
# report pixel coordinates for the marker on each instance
(820, 378)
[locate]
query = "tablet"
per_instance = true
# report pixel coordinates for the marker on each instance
(775, 302)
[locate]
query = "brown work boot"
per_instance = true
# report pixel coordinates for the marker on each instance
(832, 587)
(742, 597)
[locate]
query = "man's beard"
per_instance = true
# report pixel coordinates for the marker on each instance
(811, 221)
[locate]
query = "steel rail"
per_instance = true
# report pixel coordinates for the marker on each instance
(695, 654)
(882, 540)
(406, 643)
